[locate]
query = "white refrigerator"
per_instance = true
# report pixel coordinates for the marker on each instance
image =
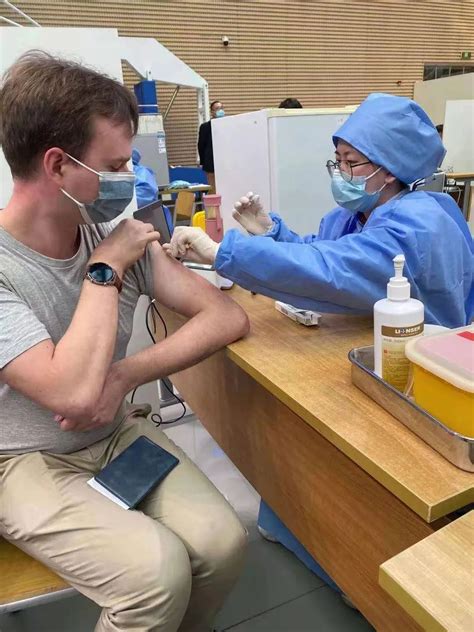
(282, 155)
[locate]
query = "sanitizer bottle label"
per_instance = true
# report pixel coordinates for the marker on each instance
(395, 364)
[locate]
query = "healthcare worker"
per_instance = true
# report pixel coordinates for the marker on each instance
(388, 143)
(385, 145)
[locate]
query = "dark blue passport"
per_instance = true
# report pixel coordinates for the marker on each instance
(134, 473)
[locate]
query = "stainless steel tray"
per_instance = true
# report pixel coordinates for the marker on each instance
(456, 448)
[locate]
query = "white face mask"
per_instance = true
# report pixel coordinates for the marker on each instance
(115, 194)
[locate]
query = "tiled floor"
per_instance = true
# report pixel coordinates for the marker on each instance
(275, 593)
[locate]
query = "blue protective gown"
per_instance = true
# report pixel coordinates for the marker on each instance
(346, 266)
(146, 187)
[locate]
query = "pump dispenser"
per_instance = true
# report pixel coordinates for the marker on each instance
(398, 288)
(397, 319)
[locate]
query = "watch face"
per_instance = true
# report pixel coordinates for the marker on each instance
(101, 272)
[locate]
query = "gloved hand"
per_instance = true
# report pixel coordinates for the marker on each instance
(192, 244)
(248, 211)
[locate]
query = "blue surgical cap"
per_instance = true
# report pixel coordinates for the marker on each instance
(396, 133)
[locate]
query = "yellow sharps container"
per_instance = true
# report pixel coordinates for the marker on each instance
(443, 377)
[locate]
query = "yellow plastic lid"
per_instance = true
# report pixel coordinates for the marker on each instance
(449, 356)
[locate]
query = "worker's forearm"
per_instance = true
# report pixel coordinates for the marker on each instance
(199, 338)
(82, 357)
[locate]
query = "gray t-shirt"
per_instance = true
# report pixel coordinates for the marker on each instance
(38, 297)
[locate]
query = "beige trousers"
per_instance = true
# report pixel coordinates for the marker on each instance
(167, 566)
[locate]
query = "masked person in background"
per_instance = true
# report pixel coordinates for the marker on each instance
(388, 143)
(206, 154)
(146, 186)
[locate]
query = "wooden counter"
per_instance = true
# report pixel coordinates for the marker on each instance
(353, 484)
(434, 579)
(308, 370)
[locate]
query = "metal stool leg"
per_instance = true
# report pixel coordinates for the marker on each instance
(166, 393)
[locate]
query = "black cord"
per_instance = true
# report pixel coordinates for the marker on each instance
(160, 317)
(155, 417)
(179, 400)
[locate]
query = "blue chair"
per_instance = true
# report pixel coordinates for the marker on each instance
(190, 174)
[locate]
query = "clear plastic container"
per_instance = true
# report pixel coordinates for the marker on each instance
(443, 377)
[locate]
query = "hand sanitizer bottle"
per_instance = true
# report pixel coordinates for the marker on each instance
(397, 319)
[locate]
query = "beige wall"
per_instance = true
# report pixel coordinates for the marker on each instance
(326, 53)
(432, 95)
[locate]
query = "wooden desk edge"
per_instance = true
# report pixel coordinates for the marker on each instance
(389, 581)
(428, 512)
(403, 598)
(33, 594)
(462, 175)
(204, 188)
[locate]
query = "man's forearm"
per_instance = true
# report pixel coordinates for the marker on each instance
(82, 358)
(199, 338)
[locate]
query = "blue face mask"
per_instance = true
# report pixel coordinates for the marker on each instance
(115, 194)
(220, 113)
(352, 195)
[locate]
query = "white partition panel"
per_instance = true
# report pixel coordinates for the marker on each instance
(280, 154)
(458, 135)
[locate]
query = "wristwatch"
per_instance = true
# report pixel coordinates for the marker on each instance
(102, 274)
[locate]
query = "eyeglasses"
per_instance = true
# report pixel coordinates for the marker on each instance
(344, 167)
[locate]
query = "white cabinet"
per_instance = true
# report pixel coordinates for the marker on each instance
(282, 155)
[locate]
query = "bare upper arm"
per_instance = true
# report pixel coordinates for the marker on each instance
(30, 373)
(182, 290)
